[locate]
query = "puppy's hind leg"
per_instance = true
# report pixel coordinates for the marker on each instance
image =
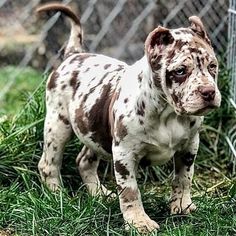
(57, 131)
(87, 163)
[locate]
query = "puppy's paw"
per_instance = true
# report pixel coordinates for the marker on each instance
(141, 221)
(182, 205)
(53, 184)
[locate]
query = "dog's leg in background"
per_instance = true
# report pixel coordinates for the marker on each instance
(125, 167)
(57, 131)
(181, 202)
(87, 163)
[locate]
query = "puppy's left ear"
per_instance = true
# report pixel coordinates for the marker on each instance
(198, 28)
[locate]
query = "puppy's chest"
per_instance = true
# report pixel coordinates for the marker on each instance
(166, 137)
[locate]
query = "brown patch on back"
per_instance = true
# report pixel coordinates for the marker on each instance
(52, 80)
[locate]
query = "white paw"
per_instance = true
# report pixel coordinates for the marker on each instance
(182, 205)
(141, 221)
(53, 184)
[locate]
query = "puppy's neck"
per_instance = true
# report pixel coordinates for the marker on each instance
(150, 88)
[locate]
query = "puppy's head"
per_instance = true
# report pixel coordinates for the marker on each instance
(185, 67)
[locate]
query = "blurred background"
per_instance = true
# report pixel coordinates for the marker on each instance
(116, 28)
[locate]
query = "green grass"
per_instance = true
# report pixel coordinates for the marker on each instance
(28, 208)
(27, 80)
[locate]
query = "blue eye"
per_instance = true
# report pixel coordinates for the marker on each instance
(181, 71)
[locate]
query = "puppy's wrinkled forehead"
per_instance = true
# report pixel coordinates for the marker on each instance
(188, 44)
(186, 36)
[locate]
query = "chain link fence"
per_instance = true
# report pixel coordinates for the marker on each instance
(231, 139)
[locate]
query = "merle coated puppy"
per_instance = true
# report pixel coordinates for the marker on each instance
(148, 112)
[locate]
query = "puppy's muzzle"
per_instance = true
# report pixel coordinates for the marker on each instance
(207, 93)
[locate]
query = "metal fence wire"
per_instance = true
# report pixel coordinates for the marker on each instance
(231, 60)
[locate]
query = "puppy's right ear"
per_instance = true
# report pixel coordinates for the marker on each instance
(198, 28)
(155, 45)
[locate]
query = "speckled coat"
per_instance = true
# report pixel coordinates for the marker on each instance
(148, 113)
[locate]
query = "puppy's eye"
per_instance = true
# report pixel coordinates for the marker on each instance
(181, 71)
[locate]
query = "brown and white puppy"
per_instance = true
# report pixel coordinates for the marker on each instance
(148, 112)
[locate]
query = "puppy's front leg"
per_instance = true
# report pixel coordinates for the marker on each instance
(125, 165)
(181, 185)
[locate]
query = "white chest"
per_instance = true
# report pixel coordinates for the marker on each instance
(170, 134)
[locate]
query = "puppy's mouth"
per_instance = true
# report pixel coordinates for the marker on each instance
(204, 110)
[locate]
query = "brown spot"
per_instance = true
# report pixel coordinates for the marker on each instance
(120, 67)
(188, 159)
(107, 66)
(63, 119)
(48, 145)
(81, 57)
(141, 122)
(63, 86)
(173, 200)
(79, 120)
(54, 148)
(141, 109)
(121, 169)
(140, 77)
(92, 90)
(157, 80)
(126, 100)
(129, 195)
(63, 67)
(121, 130)
(52, 80)
(74, 83)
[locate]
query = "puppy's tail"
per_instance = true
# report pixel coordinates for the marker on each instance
(76, 35)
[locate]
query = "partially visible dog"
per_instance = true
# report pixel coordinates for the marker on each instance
(149, 112)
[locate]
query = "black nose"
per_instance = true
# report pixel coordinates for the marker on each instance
(207, 92)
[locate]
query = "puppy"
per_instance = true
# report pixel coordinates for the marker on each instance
(149, 112)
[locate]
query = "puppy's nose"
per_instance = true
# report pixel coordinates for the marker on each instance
(207, 92)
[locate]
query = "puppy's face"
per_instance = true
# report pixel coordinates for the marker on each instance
(185, 66)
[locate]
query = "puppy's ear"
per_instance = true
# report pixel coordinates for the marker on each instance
(155, 45)
(198, 28)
